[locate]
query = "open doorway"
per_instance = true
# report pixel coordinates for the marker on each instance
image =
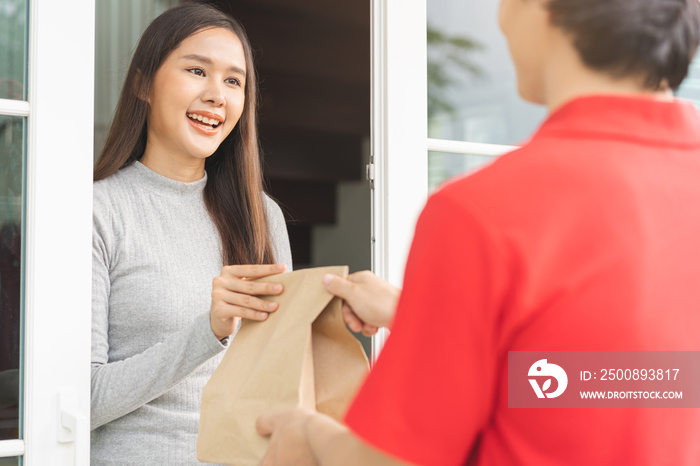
(313, 61)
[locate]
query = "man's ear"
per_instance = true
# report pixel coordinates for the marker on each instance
(139, 87)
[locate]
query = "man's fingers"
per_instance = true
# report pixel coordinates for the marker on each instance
(361, 276)
(351, 320)
(254, 271)
(265, 424)
(269, 458)
(337, 286)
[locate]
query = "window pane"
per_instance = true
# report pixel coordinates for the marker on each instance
(13, 49)
(10, 461)
(472, 94)
(12, 147)
(118, 28)
(690, 89)
(445, 165)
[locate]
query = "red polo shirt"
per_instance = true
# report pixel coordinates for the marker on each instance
(587, 238)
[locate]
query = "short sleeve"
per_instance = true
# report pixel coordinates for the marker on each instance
(430, 393)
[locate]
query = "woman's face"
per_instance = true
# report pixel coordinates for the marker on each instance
(197, 96)
(525, 24)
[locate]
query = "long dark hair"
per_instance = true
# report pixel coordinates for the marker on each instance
(234, 191)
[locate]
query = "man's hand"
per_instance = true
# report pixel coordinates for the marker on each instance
(289, 443)
(301, 437)
(369, 301)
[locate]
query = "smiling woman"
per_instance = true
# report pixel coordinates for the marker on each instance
(180, 220)
(201, 82)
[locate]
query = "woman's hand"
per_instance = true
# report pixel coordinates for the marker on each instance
(233, 296)
(369, 301)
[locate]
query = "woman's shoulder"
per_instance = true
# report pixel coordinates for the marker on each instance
(272, 207)
(114, 185)
(113, 197)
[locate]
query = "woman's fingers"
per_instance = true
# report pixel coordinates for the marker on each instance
(234, 295)
(253, 288)
(225, 312)
(225, 296)
(238, 285)
(237, 278)
(253, 271)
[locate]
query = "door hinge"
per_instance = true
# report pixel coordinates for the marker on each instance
(370, 172)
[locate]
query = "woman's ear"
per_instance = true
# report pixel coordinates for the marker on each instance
(139, 88)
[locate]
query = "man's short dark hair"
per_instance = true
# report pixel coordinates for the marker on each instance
(654, 39)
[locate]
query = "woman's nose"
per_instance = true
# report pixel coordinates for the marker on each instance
(214, 93)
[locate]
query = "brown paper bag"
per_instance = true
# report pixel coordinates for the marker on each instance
(302, 355)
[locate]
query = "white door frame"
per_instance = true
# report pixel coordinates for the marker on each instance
(399, 161)
(58, 233)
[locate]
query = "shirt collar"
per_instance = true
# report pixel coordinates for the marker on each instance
(646, 120)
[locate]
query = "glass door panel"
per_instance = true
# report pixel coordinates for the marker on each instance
(13, 49)
(690, 89)
(442, 166)
(472, 94)
(12, 175)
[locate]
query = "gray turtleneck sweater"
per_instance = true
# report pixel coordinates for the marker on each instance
(155, 253)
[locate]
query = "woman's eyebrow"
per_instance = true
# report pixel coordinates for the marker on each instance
(208, 61)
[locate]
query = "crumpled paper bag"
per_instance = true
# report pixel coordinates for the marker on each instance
(302, 355)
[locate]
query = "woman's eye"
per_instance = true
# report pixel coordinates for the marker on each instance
(234, 81)
(196, 71)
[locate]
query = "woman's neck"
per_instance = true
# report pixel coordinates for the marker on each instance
(173, 167)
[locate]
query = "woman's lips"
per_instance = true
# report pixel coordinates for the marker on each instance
(204, 128)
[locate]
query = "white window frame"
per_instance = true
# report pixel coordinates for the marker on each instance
(58, 234)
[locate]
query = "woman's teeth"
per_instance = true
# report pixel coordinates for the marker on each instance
(207, 121)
